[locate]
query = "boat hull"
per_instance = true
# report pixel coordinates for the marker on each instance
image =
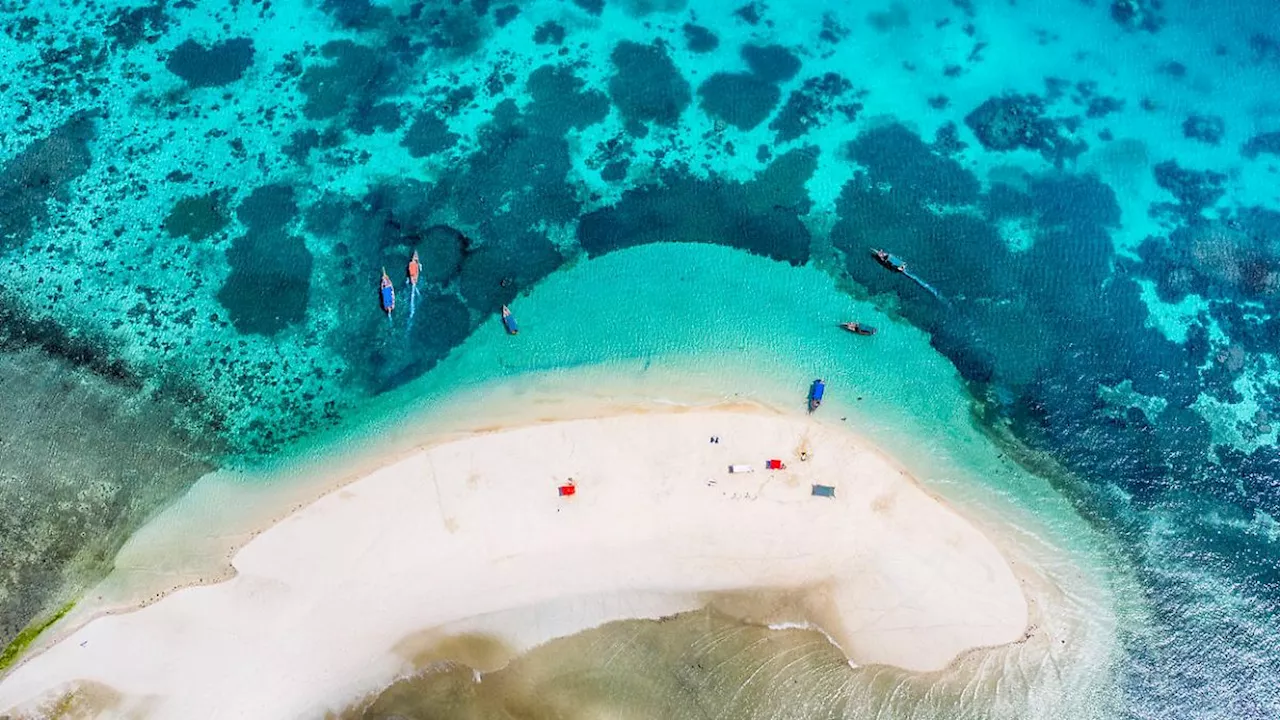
(816, 391)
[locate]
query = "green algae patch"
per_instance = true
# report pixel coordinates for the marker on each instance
(15, 649)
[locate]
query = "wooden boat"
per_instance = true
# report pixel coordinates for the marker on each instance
(816, 391)
(858, 328)
(509, 321)
(414, 269)
(889, 262)
(387, 294)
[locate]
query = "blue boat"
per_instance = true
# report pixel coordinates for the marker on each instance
(509, 321)
(815, 394)
(387, 294)
(889, 262)
(823, 491)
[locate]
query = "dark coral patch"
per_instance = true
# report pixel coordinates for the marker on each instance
(517, 176)
(771, 63)
(269, 207)
(503, 265)
(197, 217)
(1207, 129)
(269, 284)
(699, 39)
(549, 33)
(356, 14)
(514, 184)
(1195, 190)
(1022, 312)
(42, 172)
(428, 135)
(441, 249)
(270, 280)
(130, 26)
(640, 8)
(454, 27)
(896, 17)
(358, 75)
(381, 231)
(895, 155)
(888, 207)
(441, 322)
(751, 13)
(381, 116)
(740, 99)
(1268, 143)
(1012, 121)
(222, 63)
(302, 142)
(593, 7)
(1074, 201)
(1138, 14)
(505, 14)
(808, 107)
(615, 171)
(561, 100)
(646, 85)
(760, 216)
(1102, 106)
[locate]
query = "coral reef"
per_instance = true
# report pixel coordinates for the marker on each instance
(1195, 190)
(219, 64)
(739, 99)
(1138, 14)
(270, 280)
(1208, 129)
(761, 216)
(646, 85)
(1015, 121)
(811, 105)
(1260, 144)
(699, 39)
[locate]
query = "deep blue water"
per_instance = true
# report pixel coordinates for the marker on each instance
(197, 201)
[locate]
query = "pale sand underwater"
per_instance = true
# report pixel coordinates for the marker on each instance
(472, 538)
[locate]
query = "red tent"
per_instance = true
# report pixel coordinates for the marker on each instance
(774, 465)
(567, 489)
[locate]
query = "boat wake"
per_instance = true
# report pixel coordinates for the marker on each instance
(927, 287)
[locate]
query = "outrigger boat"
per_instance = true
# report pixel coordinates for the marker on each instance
(509, 321)
(858, 328)
(387, 294)
(889, 262)
(815, 394)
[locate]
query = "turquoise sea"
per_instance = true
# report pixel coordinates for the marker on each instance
(678, 200)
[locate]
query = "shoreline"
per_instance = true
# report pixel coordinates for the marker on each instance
(1004, 613)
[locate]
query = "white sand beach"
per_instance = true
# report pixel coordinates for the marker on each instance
(471, 537)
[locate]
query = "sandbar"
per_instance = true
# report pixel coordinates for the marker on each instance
(472, 537)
